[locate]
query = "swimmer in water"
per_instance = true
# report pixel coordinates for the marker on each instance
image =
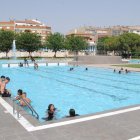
(24, 97)
(71, 113)
(86, 69)
(121, 69)
(71, 69)
(119, 72)
(114, 70)
(126, 71)
(36, 66)
(51, 111)
(21, 64)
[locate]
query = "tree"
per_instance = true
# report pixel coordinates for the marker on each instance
(100, 45)
(130, 42)
(112, 43)
(55, 42)
(28, 41)
(6, 40)
(76, 43)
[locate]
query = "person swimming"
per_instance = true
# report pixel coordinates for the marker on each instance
(24, 97)
(114, 70)
(72, 113)
(121, 69)
(71, 69)
(126, 71)
(51, 111)
(21, 64)
(119, 72)
(86, 69)
(36, 66)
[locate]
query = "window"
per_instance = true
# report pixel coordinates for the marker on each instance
(33, 31)
(43, 31)
(22, 31)
(89, 31)
(115, 32)
(0, 27)
(43, 37)
(8, 27)
(48, 32)
(17, 30)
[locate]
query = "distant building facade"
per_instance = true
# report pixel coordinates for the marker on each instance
(118, 30)
(90, 33)
(33, 26)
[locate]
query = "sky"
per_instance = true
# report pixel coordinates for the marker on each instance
(65, 15)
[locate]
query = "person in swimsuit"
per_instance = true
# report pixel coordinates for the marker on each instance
(2, 79)
(36, 66)
(5, 92)
(19, 92)
(86, 69)
(21, 64)
(51, 111)
(72, 113)
(24, 97)
(122, 70)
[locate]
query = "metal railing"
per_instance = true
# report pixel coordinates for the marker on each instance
(27, 104)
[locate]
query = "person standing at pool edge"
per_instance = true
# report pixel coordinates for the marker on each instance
(5, 92)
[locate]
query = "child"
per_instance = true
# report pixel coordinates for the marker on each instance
(72, 113)
(51, 111)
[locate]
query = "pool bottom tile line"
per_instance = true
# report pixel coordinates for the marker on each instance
(29, 127)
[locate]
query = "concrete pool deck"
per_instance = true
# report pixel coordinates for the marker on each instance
(122, 126)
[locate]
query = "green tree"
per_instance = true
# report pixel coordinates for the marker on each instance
(76, 43)
(28, 41)
(6, 40)
(100, 45)
(130, 42)
(55, 42)
(112, 43)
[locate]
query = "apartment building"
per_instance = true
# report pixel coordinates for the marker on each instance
(90, 33)
(33, 26)
(118, 30)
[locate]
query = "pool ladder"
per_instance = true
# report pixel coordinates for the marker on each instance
(27, 104)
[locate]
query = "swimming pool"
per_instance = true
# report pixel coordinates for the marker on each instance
(87, 92)
(134, 61)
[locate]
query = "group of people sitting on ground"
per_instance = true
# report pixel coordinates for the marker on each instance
(71, 69)
(51, 112)
(121, 70)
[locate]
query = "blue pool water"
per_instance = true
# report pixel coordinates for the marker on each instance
(87, 92)
(134, 61)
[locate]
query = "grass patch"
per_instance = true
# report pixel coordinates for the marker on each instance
(135, 58)
(129, 65)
